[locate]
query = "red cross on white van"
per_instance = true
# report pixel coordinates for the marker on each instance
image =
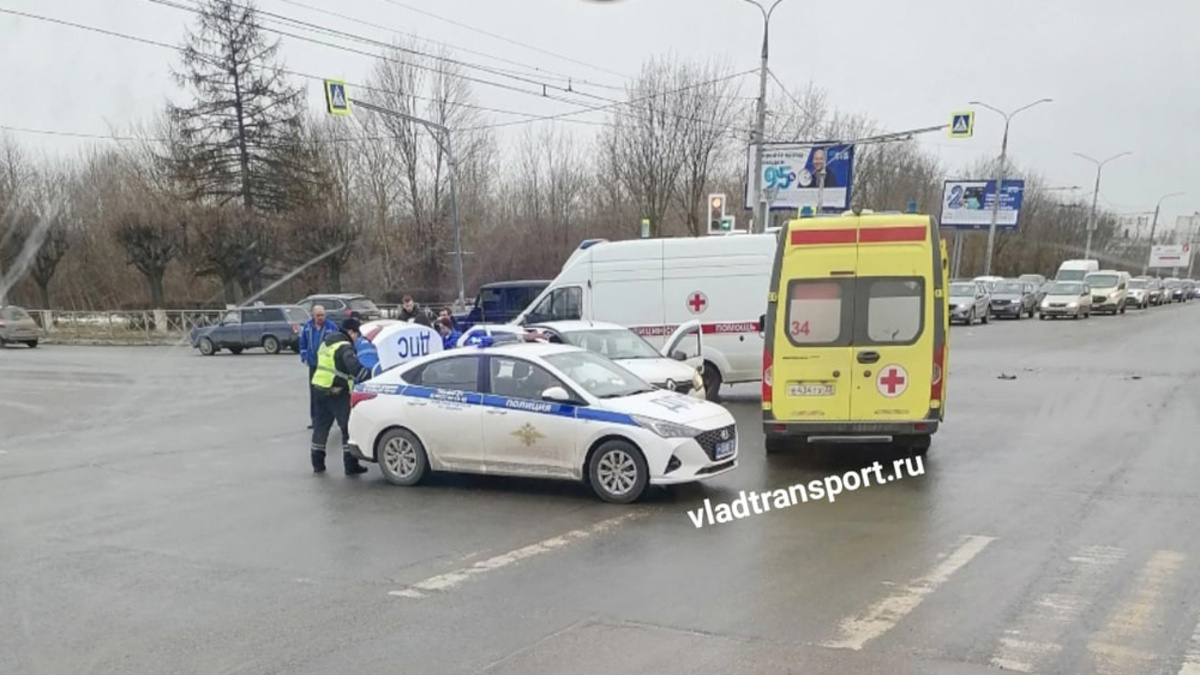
(696, 302)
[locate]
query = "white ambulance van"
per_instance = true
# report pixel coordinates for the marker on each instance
(654, 285)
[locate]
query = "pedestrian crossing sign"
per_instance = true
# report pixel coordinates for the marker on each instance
(962, 124)
(335, 98)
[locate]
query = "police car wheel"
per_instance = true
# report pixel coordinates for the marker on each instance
(401, 457)
(618, 472)
(270, 344)
(207, 347)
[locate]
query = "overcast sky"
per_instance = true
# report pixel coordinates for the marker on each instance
(1123, 75)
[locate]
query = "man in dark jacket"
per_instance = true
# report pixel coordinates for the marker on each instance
(337, 369)
(411, 312)
(311, 335)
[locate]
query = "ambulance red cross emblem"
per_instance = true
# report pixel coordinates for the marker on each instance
(697, 302)
(891, 381)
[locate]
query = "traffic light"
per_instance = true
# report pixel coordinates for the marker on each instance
(716, 213)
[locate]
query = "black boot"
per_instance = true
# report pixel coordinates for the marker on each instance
(318, 461)
(353, 468)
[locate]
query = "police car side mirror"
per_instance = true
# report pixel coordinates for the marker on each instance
(557, 395)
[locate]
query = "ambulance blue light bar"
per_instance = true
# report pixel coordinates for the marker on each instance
(588, 243)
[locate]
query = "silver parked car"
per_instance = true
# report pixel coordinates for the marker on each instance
(969, 301)
(17, 326)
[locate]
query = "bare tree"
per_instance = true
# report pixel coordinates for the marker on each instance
(151, 242)
(708, 110)
(645, 145)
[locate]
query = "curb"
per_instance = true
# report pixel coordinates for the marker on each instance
(99, 342)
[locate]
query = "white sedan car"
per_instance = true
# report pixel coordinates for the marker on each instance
(542, 410)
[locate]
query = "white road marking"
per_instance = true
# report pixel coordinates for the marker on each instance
(1029, 645)
(449, 580)
(1191, 660)
(881, 617)
(1135, 617)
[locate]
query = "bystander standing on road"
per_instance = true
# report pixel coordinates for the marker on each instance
(311, 335)
(411, 312)
(450, 337)
(338, 368)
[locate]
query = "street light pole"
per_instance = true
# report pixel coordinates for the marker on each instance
(1091, 226)
(991, 243)
(760, 202)
(1154, 225)
(441, 134)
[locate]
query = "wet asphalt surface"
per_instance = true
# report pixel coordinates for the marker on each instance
(158, 515)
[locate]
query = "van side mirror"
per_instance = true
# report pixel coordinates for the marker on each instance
(762, 325)
(556, 395)
(679, 355)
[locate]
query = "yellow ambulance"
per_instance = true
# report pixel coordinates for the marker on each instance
(856, 332)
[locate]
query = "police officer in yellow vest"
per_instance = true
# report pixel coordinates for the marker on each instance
(337, 371)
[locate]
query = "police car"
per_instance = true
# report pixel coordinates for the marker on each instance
(537, 409)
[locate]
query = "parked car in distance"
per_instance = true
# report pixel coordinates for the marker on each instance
(342, 306)
(17, 326)
(1189, 288)
(989, 282)
(969, 300)
(1174, 289)
(1110, 290)
(1066, 298)
(1155, 291)
(500, 302)
(1014, 299)
(272, 327)
(1139, 293)
(1035, 279)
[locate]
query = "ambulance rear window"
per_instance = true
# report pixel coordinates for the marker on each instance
(895, 308)
(816, 311)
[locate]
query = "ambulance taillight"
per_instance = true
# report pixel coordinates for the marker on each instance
(766, 377)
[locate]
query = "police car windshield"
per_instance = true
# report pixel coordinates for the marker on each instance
(617, 343)
(597, 375)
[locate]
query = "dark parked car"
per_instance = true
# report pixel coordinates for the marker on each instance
(272, 327)
(1014, 299)
(1175, 290)
(342, 306)
(500, 302)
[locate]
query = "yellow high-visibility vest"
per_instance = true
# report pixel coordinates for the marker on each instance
(327, 366)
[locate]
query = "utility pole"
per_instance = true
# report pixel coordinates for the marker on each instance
(441, 134)
(1091, 226)
(1154, 226)
(1195, 219)
(761, 210)
(991, 242)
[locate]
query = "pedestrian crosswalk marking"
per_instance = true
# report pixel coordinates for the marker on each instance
(1031, 644)
(1113, 650)
(1191, 660)
(881, 617)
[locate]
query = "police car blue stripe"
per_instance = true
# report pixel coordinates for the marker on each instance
(506, 402)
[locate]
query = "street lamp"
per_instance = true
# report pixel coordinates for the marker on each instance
(987, 261)
(1154, 224)
(760, 204)
(1091, 226)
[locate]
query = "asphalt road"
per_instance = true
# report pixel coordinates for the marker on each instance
(158, 515)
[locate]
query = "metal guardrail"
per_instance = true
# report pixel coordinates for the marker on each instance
(123, 325)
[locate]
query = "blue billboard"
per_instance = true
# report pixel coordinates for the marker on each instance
(792, 175)
(968, 204)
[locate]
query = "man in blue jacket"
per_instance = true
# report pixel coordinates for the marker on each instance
(311, 336)
(368, 355)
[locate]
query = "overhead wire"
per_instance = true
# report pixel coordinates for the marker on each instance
(545, 87)
(536, 69)
(503, 38)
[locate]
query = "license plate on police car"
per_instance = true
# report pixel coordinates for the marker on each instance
(810, 389)
(724, 449)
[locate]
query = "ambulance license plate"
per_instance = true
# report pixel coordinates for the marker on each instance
(724, 449)
(810, 389)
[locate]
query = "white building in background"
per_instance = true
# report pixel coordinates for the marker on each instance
(1136, 226)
